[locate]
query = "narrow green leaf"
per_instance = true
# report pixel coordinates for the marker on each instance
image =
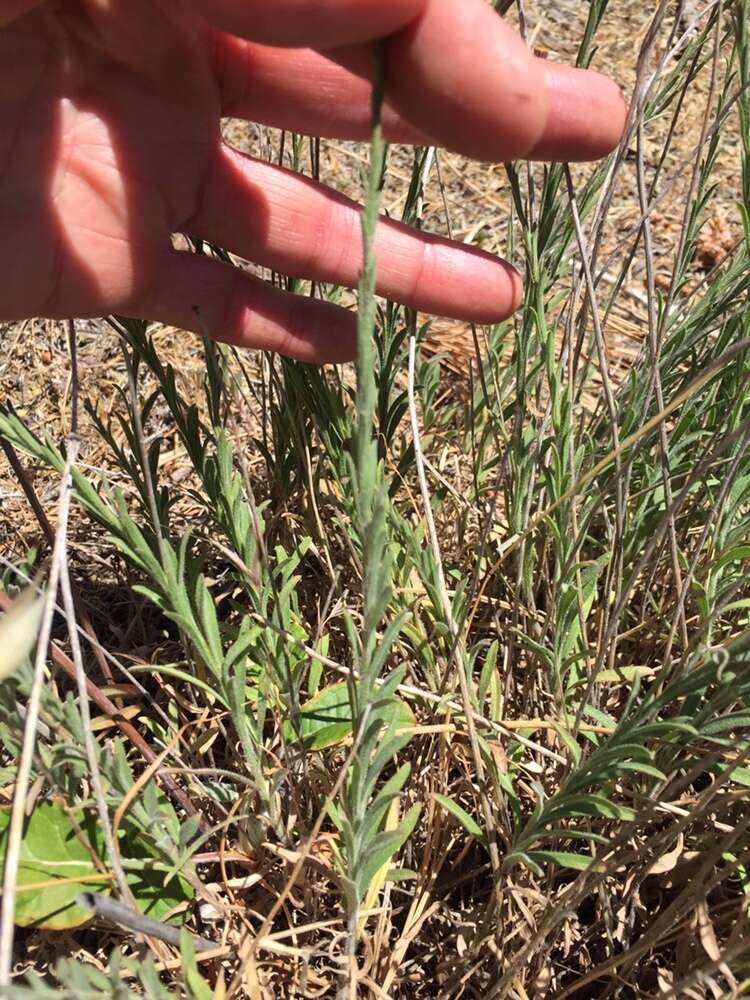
(565, 859)
(383, 847)
(466, 821)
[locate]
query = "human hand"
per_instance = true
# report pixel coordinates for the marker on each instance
(110, 143)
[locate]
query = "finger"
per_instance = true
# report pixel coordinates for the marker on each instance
(317, 23)
(311, 93)
(194, 292)
(303, 91)
(461, 73)
(586, 117)
(281, 220)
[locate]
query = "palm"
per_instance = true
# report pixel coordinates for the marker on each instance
(111, 162)
(110, 143)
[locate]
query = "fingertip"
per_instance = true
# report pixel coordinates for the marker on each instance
(516, 283)
(496, 291)
(460, 74)
(586, 118)
(463, 282)
(327, 334)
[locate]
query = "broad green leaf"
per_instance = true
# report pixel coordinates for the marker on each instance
(467, 822)
(155, 894)
(488, 669)
(641, 768)
(737, 605)
(736, 721)
(567, 834)
(576, 607)
(326, 719)
(196, 987)
(566, 737)
(51, 852)
(380, 876)
(383, 802)
(587, 805)
(401, 875)
(742, 776)
(737, 554)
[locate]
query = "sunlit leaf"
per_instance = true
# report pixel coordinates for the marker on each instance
(622, 674)
(326, 719)
(467, 822)
(19, 628)
(57, 864)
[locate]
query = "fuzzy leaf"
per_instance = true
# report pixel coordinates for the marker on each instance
(384, 846)
(155, 894)
(565, 859)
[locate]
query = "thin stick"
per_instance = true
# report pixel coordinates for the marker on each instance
(655, 345)
(23, 774)
(74, 442)
(117, 913)
(620, 504)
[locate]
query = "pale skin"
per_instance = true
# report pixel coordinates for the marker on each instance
(110, 143)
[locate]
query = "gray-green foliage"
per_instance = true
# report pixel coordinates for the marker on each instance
(367, 847)
(124, 979)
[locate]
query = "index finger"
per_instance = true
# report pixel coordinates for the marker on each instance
(456, 75)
